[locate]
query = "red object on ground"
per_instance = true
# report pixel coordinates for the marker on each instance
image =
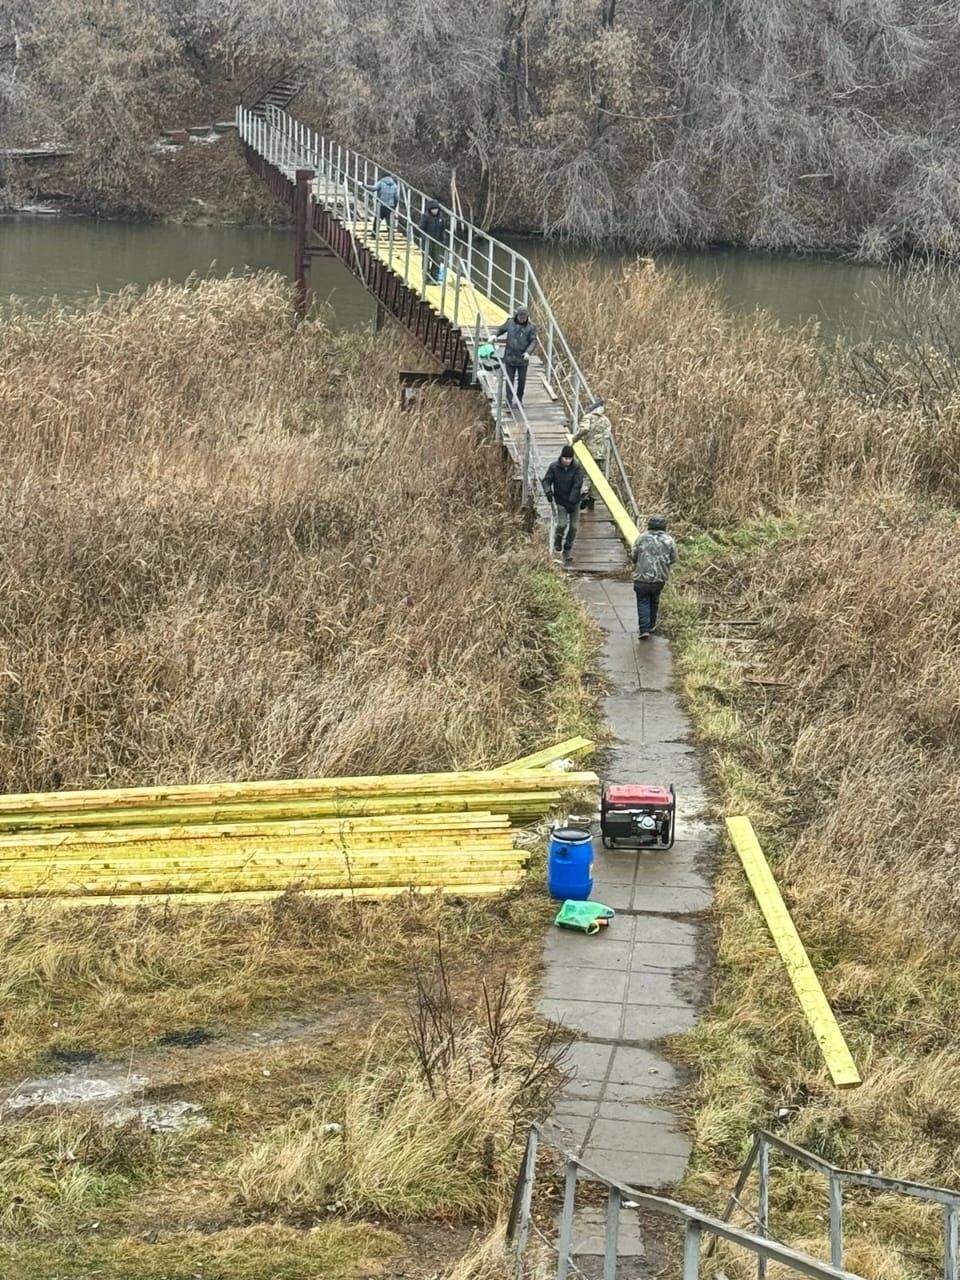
(638, 813)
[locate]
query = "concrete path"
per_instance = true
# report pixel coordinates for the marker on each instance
(647, 974)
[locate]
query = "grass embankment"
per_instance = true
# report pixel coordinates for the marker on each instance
(818, 516)
(225, 554)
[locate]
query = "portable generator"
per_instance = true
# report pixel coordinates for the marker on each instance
(644, 815)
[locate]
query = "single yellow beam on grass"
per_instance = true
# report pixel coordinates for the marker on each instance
(568, 749)
(806, 984)
(601, 485)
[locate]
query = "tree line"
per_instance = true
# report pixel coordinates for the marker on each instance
(778, 124)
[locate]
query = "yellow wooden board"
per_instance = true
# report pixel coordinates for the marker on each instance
(565, 750)
(459, 303)
(601, 486)
(805, 982)
(188, 899)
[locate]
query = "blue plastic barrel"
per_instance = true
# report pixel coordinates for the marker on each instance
(569, 864)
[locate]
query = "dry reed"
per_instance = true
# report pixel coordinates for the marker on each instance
(225, 554)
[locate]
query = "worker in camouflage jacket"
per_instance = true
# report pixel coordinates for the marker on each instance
(653, 554)
(596, 433)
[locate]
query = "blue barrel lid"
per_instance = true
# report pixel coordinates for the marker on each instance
(570, 835)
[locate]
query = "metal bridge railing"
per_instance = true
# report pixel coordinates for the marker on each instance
(765, 1143)
(477, 264)
(694, 1224)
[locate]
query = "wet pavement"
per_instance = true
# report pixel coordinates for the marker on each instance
(646, 975)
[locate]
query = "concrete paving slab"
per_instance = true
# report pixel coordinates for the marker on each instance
(640, 981)
(589, 1233)
(645, 1066)
(663, 900)
(588, 1061)
(645, 1023)
(599, 952)
(586, 1017)
(662, 956)
(664, 929)
(658, 1137)
(654, 986)
(599, 985)
(646, 1171)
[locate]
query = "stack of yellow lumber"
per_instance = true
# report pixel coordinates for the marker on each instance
(370, 835)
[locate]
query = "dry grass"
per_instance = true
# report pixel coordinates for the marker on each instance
(226, 554)
(827, 498)
(435, 1127)
(723, 417)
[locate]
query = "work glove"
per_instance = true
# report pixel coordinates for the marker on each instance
(526, 357)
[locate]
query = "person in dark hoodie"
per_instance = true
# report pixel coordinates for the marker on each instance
(433, 224)
(521, 340)
(562, 485)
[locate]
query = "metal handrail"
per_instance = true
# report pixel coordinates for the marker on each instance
(836, 1177)
(290, 145)
(509, 279)
(696, 1224)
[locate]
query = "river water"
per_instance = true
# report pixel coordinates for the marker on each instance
(72, 258)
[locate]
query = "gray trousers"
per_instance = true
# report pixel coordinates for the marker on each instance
(565, 530)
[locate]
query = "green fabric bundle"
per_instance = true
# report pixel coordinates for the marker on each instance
(588, 917)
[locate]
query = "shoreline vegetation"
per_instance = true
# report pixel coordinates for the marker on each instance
(816, 493)
(764, 124)
(228, 554)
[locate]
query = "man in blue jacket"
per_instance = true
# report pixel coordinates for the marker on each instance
(562, 485)
(388, 197)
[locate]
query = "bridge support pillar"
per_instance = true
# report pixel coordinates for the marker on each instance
(301, 258)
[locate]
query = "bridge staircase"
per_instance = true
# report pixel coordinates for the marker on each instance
(275, 89)
(329, 188)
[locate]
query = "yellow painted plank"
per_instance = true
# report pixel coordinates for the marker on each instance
(189, 899)
(621, 516)
(237, 883)
(414, 785)
(443, 300)
(110, 842)
(805, 982)
(568, 749)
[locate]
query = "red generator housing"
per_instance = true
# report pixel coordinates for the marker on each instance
(644, 815)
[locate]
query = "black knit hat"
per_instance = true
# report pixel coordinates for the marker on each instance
(567, 451)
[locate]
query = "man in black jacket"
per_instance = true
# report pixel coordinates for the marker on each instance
(521, 341)
(562, 485)
(433, 224)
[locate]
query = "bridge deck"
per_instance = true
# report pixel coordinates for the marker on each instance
(459, 301)
(599, 546)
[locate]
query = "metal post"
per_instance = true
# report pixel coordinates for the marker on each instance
(513, 281)
(525, 472)
(550, 330)
(566, 1220)
(610, 1239)
(498, 427)
(576, 403)
(518, 1228)
(406, 260)
(301, 203)
(950, 1242)
(490, 268)
(763, 1202)
(836, 1222)
(691, 1251)
(456, 296)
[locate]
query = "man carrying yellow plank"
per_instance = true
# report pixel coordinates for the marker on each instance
(596, 433)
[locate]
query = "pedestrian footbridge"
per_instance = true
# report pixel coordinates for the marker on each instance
(327, 185)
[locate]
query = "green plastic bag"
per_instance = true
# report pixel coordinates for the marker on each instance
(588, 917)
